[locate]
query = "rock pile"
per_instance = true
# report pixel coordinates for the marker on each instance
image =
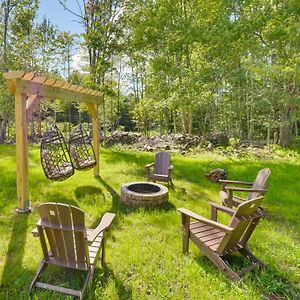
(174, 142)
(124, 138)
(216, 174)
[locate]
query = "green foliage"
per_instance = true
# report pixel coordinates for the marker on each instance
(227, 65)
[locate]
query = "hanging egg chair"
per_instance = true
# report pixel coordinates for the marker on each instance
(81, 149)
(55, 157)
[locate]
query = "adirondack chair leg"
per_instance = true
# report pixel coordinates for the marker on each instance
(87, 281)
(103, 250)
(214, 213)
(218, 261)
(230, 199)
(40, 269)
(91, 274)
(171, 184)
(185, 233)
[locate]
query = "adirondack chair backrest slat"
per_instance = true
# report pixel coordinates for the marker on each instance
(241, 221)
(65, 231)
(81, 245)
(162, 163)
(65, 219)
(260, 182)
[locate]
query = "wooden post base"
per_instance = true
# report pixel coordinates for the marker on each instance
(26, 209)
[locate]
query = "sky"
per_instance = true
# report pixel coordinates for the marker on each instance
(63, 19)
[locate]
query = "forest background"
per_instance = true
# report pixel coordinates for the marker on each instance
(182, 66)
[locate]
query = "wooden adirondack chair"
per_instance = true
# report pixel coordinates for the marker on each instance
(70, 244)
(162, 168)
(257, 188)
(216, 240)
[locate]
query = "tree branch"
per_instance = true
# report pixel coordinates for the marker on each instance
(69, 10)
(258, 34)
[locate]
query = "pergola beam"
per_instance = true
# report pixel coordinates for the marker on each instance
(53, 91)
(29, 89)
(31, 104)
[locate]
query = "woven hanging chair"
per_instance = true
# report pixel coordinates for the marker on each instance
(55, 157)
(81, 150)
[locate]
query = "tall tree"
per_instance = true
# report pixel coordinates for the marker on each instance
(16, 23)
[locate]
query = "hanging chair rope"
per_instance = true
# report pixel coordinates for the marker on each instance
(81, 149)
(55, 157)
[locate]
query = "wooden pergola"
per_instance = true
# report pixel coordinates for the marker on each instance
(29, 89)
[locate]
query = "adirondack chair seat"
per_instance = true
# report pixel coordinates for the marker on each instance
(70, 244)
(158, 177)
(207, 234)
(215, 240)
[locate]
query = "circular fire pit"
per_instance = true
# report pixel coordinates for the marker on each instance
(143, 194)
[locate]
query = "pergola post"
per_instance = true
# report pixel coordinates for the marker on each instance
(23, 204)
(93, 108)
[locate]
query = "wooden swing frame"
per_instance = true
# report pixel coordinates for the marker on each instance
(29, 89)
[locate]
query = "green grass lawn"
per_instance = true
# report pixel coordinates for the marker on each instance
(144, 259)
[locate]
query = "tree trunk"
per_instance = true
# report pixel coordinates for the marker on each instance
(3, 127)
(285, 128)
(184, 122)
(7, 10)
(39, 122)
(161, 124)
(174, 121)
(190, 121)
(32, 131)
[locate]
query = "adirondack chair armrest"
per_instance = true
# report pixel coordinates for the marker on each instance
(150, 165)
(224, 196)
(104, 224)
(212, 223)
(225, 181)
(222, 208)
(237, 189)
(35, 232)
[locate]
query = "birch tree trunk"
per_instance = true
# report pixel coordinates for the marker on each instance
(285, 128)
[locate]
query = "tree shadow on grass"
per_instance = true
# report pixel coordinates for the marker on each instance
(140, 158)
(124, 292)
(15, 276)
(87, 192)
(8, 188)
(268, 282)
(60, 198)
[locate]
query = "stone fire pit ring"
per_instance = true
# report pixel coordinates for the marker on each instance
(144, 194)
